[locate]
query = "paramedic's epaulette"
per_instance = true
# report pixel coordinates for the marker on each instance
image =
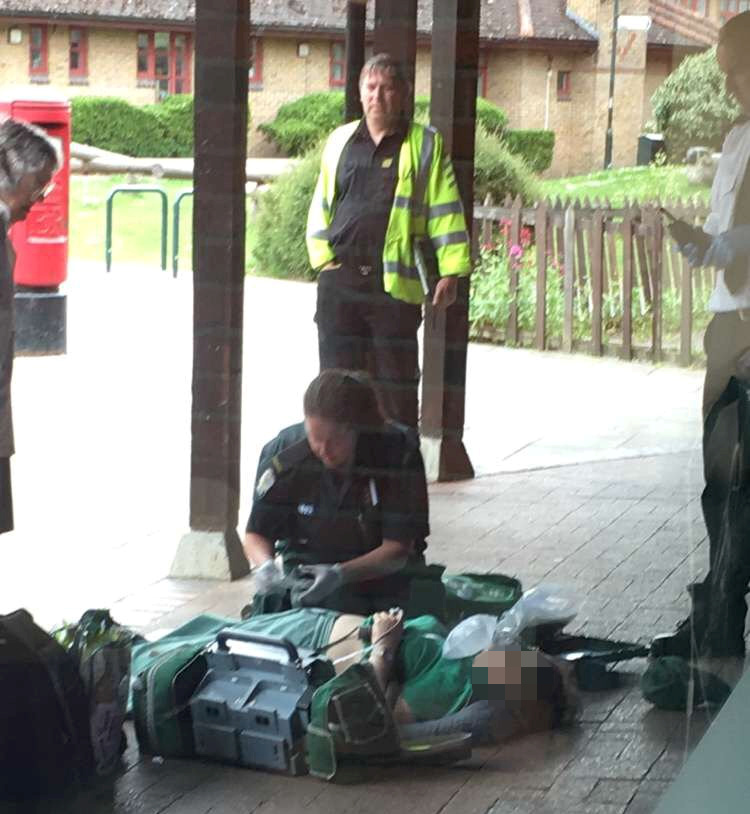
(282, 462)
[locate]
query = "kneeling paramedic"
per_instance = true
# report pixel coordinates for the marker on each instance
(343, 497)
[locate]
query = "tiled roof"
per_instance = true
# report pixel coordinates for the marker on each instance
(157, 10)
(675, 25)
(501, 19)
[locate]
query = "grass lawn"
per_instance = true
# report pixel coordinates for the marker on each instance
(641, 184)
(136, 221)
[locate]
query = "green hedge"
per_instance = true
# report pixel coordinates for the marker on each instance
(162, 130)
(498, 172)
(279, 246)
(536, 147)
(692, 107)
(301, 124)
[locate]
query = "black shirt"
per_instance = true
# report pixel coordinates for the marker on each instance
(327, 517)
(365, 185)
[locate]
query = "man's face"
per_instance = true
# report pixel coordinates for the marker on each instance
(333, 444)
(382, 98)
(28, 191)
(736, 68)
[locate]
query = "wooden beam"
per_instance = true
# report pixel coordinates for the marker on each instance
(213, 548)
(453, 94)
(356, 14)
(396, 34)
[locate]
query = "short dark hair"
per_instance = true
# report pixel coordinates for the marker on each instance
(345, 397)
(387, 64)
(25, 149)
(735, 33)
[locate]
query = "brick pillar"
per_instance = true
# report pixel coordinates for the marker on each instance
(212, 548)
(455, 60)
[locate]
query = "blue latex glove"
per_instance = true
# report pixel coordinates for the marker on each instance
(267, 576)
(727, 247)
(325, 580)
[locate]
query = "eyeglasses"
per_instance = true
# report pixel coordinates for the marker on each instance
(41, 194)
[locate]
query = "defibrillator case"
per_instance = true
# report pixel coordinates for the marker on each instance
(253, 707)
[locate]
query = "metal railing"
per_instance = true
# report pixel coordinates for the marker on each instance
(136, 188)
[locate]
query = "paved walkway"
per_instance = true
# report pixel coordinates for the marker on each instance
(589, 477)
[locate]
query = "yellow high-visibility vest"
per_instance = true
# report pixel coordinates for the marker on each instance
(426, 203)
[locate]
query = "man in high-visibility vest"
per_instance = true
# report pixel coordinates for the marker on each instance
(385, 185)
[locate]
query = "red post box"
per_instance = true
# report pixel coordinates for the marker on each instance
(41, 241)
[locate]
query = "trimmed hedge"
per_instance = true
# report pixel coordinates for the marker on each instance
(536, 147)
(498, 172)
(116, 125)
(162, 130)
(301, 124)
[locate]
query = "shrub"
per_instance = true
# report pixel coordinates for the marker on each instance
(536, 147)
(116, 125)
(175, 116)
(301, 124)
(498, 172)
(279, 247)
(692, 108)
(491, 117)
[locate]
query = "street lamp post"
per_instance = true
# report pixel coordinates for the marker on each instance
(611, 101)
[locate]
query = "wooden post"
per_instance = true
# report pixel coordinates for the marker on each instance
(569, 234)
(453, 92)
(213, 548)
(356, 12)
(627, 285)
(540, 231)
(596, 233)
(396, 34)
(511, 333)
(656, 234)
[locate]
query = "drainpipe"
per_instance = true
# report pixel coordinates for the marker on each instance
(547, 94)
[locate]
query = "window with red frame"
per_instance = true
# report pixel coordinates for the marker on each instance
(731, 7)
(256, 61)
(482, 77)
(78, 60)
(337, 65)
(563, 85)
(698, 6)
(163, 61)
(38, 51)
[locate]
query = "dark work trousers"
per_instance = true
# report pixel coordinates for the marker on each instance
(360, 327)
(6, 497)
(721, 599)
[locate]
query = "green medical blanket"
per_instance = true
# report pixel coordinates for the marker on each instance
(432, 686)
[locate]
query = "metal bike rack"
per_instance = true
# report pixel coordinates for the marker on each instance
(136, 188)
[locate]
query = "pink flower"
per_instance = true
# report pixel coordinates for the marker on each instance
(515, 252)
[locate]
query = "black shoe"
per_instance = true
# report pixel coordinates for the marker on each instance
(691, 642)
(680, 643)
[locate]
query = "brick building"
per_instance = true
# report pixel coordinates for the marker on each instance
(546, 62)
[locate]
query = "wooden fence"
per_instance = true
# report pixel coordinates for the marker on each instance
(621, 256)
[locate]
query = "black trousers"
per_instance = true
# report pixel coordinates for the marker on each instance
(6, 497)
(360, 327)
(720, 599)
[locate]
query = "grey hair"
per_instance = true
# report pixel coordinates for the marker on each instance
(25, 149)
(384, 63)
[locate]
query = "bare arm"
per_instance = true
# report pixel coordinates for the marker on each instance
(258, 549)
(388, 558)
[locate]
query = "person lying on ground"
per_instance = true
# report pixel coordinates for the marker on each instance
(494, 695)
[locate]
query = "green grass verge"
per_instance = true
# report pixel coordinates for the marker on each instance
(642, 184)
(136, 221)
